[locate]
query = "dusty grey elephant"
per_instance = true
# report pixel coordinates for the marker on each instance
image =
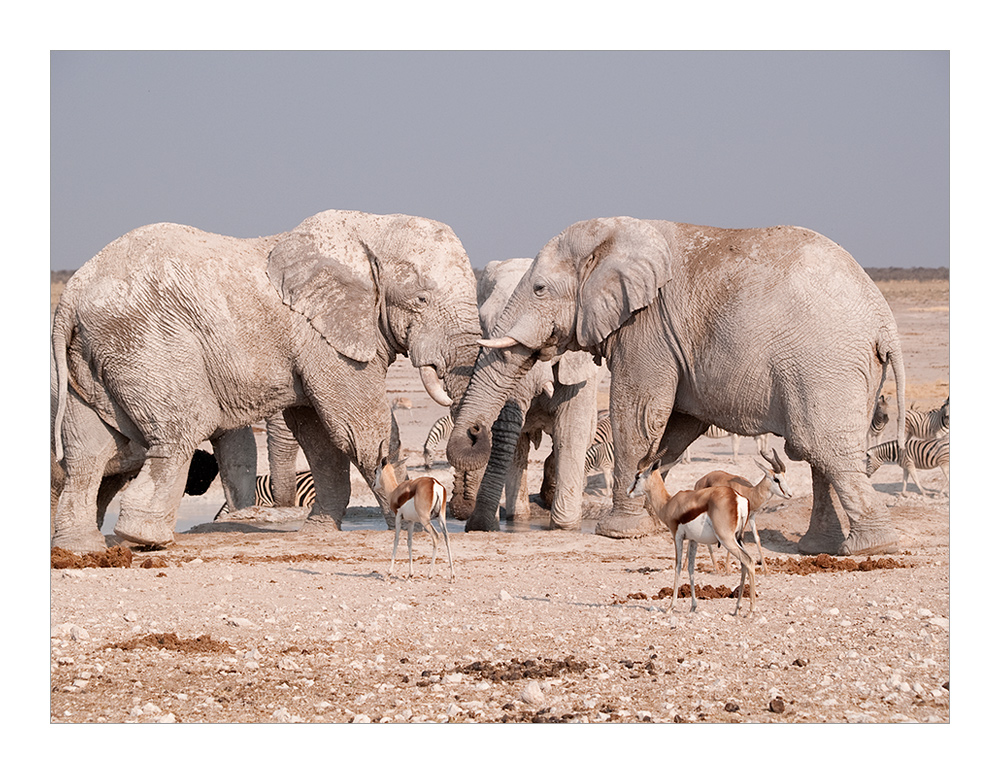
(171, 335)
(558, 397)
(767, 330)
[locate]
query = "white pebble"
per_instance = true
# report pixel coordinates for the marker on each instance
(532, 694)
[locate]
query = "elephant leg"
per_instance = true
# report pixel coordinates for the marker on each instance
(825, 533)
(149, 505)
(331, 469)
(516, 485)
(573, 431)
(89, 445)
(870, 527)
(236, 453)
(547, 491)
(871, 530)
(110, 487)
(634, 437)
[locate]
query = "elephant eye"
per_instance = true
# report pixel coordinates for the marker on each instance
(422, 299)
(539, 289)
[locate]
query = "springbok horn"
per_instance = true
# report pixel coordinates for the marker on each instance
(776, 464)
(431, 382)
(503, 343)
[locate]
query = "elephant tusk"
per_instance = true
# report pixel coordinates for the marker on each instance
(431, 382)
(503, 343)
(549, 389)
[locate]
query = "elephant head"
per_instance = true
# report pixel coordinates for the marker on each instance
(583, 285)
(546, 389)
(375, 286)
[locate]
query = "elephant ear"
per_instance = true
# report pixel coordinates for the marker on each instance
(621, 275)
(574, 368)
(329, 277)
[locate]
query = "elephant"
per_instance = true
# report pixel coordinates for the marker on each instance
(759, 330)
(558, 397)
(171, 335)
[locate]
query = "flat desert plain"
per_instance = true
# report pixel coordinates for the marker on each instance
(252, 620)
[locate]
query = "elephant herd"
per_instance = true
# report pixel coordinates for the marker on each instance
(171, 336)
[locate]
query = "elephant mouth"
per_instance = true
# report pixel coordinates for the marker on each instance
(469, 446)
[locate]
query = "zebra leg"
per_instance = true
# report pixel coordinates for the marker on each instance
(912, 472)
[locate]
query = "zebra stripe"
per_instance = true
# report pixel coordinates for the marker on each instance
(921, 454)
(305, 492)
(438, 432)
(600, 456)
(928, 424)
(602, 433)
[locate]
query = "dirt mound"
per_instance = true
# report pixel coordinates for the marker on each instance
(826, 563)
(116, 556)
(201, 644)
(523, 669)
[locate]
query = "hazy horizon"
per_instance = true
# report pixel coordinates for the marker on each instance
(508, 148)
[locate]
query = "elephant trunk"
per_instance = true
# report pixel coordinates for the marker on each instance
(495, 377)
(505, 433)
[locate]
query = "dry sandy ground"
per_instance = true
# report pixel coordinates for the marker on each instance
(249, 621)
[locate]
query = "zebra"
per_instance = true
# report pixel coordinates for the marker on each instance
(929, 424)
(305, 493)
(923, 454)
(438, 432)
(601, 457)
(601, 453)
(879, 420)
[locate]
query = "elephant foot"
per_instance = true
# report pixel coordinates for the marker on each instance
(627, 525)
(319, 523)
(477, 523)
(91, 542)
(865, 542)
(145, 532)
(565, 525)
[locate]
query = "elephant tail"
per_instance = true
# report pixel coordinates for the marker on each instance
(891, 354)
(62, 330)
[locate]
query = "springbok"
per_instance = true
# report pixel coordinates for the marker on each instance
(415, 500)
(714, 515)
(773, 483)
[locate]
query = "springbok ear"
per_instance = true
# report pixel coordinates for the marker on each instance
(620, 276)
(574, 368)
(325, 272)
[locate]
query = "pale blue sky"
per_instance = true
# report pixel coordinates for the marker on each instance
(508, 148)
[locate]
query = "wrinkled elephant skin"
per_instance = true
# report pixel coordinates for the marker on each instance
(171, 336)
(770, 330)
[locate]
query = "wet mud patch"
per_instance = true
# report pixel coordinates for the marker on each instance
(116, 556)
(170, 641)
